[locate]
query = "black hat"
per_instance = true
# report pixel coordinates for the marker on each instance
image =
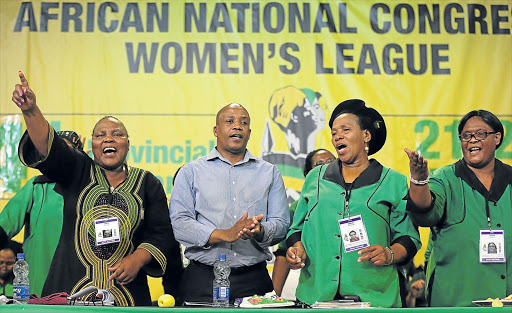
(72, 137)
(369, 118)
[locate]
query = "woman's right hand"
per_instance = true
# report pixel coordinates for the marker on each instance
(417, 165)
(23, 96)
(296, 256)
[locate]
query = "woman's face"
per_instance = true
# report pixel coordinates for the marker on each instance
(7, 259)
(479, 153)
(110, 144)
(349, 139)
(322, 157)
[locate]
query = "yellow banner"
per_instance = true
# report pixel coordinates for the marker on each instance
(166, 67)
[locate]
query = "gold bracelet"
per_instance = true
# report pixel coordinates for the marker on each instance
(392, 255)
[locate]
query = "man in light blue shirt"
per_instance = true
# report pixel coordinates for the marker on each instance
(228, 202)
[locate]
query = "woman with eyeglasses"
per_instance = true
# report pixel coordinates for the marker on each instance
(468, 205)
(353, 194)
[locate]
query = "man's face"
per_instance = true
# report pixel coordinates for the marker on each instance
(232, 130)
(7, 259)
(110, 144)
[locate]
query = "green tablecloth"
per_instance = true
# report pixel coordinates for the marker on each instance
(76, 309)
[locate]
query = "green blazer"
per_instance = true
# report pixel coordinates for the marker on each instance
(458, 213)
(378, 196)
(38, 207)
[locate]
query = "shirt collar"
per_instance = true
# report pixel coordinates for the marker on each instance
(215, 154)
(502, 178)
(368, 177)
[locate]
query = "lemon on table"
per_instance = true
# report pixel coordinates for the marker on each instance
(166, 301)
(496, 303)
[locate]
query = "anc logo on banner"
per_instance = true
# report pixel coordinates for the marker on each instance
(296, 116)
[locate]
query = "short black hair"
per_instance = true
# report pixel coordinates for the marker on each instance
(110, 117)
(308, 165)
(12, 245)
(490, 119)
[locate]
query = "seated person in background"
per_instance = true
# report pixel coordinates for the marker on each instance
(172, 277)
(416, 291)
(100, 194)
(37, 206)
(280, 273)
(7, 259)
(352, 193)
(414, 285)
(468, 205)
(228, 202)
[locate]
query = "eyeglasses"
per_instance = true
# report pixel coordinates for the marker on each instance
(480, 135)
(321, 162)
(8, 263)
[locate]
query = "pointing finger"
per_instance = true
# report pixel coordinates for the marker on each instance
(24, 81)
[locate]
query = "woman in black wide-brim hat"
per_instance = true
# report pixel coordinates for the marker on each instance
(352, 194)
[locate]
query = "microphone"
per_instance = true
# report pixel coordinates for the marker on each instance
(107, 298)
(83, 292)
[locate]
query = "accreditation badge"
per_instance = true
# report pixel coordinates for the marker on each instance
(353, 233)
(492, 246)
(107, 230)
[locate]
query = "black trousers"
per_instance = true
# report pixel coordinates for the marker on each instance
(197, 282)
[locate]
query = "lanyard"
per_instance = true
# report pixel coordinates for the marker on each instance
(347, 198)
(487, 212)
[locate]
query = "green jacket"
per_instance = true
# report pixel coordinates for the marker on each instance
(458, 213)
(7, 289)
(377, 195)
(38, 207)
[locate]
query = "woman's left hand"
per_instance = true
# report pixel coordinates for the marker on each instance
(376, 254)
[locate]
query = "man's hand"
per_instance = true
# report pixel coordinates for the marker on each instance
(126, 270)
(256, 231)
(232, 234)
(296, 256)
(23, 96)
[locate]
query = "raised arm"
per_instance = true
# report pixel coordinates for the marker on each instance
(419, 191)
(37, 126)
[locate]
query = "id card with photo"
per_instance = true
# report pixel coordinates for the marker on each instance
(107, 230)
(492, 246)
(353, 233)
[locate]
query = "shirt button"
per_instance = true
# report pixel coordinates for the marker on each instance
(340, 213)
(337, 257)
(499, 225)
(234, 216)
(343, 193)
(234, 199)
(338, 235)
(234, 254)
(233, 182)
(502, 276)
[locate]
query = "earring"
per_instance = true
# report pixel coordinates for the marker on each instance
(366, 148)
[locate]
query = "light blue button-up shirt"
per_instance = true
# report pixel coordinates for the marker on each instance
(211, 193)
